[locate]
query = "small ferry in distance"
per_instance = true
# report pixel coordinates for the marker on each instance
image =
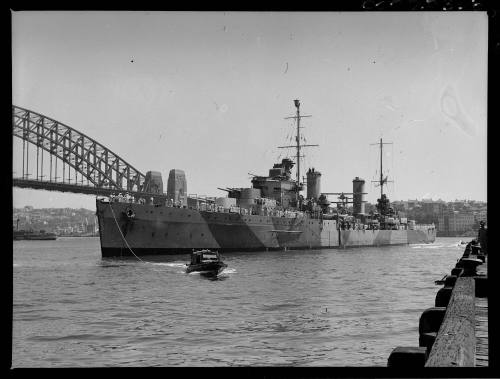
(32, 235)
(206, 262)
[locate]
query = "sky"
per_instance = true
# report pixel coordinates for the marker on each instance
(208, 93)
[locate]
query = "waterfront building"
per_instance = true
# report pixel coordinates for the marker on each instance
(455, 223)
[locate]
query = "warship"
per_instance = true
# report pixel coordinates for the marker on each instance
(272, 214)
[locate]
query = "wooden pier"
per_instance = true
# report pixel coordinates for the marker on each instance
(453, 333)
(481, 327)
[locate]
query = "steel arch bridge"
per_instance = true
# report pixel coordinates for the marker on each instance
(104, 171)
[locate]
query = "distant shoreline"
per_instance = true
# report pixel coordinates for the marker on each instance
(76, 236)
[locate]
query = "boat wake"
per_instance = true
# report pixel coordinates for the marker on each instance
(222, 275)
(174, 264)
(427, 246)
(228, 271)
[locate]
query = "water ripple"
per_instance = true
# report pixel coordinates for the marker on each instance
(303, 308)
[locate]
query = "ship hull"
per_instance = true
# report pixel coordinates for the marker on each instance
(169, 230)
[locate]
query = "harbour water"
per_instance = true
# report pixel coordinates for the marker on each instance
(338, 307)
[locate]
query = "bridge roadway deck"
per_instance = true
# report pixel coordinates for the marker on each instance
(75, 188)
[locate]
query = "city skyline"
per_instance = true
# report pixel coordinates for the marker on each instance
(397, 201)
(208, 93)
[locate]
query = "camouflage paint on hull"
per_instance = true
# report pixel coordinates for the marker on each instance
(169, 230)
(352, 238)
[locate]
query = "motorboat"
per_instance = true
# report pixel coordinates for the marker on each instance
(206, 262)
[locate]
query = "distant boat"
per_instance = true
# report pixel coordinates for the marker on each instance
(32, 235)
(206, 262)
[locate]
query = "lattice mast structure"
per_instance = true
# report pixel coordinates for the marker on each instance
(297, 145)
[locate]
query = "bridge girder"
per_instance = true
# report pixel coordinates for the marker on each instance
(81, 189)
(87, 156)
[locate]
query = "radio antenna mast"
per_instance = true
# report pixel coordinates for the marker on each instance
(298, 145)
(381, 180)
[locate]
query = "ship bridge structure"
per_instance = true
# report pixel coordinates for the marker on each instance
(74, 162)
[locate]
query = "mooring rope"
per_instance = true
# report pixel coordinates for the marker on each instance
(160, 272)
(123, 237)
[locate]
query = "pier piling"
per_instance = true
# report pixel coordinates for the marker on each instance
(407, 357)
(429, 324)
(455, 331)
(455, 343)
(443, 296)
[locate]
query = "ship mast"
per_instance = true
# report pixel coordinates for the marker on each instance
(382, 180)
(297, 146)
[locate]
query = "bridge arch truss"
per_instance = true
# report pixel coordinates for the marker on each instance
(93, 161)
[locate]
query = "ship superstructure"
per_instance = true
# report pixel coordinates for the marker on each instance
(271, 214)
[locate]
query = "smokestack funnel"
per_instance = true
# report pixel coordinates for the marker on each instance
(358, 188)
